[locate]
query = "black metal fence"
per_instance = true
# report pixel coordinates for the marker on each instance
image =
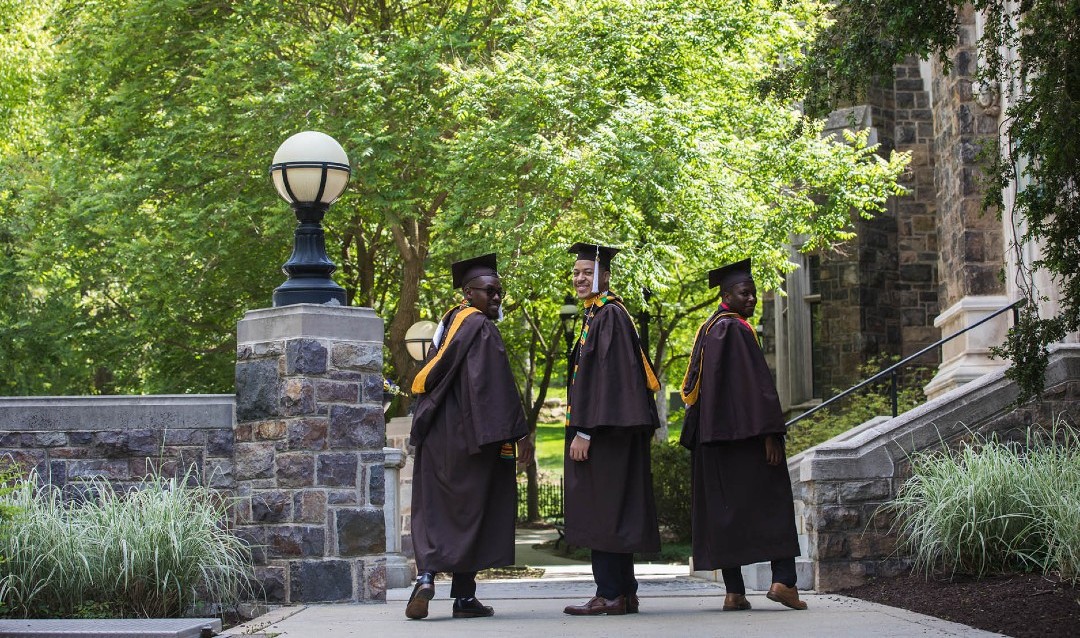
(550, 496)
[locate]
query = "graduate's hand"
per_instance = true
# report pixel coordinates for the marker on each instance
(526, 450)
(579, 449)
(774, 449)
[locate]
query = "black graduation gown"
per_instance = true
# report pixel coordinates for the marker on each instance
(742, 510)
(464, 491)
(609, 502)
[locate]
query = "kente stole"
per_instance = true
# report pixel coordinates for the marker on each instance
(592, 305)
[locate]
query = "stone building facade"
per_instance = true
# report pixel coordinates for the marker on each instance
(932, 264)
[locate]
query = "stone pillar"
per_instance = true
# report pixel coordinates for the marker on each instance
(399, 573)
(309, 459)
(397, 435)
(968, 357)
(972, 241)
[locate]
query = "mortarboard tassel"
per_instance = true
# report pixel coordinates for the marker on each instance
(437, 339)
(596, 271)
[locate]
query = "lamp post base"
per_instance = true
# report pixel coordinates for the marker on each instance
(317, 291)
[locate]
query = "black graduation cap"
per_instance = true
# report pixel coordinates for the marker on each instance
(593, 252)
(731, 274)
(466, 270)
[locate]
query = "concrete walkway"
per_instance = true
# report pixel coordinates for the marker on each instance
(672, 603)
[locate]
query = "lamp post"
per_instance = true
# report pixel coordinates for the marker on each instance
(418, 339)
(568, 314)
(310, 171)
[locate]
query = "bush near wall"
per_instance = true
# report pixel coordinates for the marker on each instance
(994, 507)
(872, 401)
(154, 551)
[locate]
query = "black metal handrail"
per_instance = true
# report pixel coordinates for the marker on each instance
(892, 370)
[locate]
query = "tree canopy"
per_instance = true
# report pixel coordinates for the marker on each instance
(141, 224)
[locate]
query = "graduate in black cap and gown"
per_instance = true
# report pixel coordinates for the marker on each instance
(742, 506)
(611, 417)
(467, 419)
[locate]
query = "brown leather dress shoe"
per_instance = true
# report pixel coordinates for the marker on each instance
(632, 604)
(598, 606)
(736, 602)
(423, 592)
(786, 596)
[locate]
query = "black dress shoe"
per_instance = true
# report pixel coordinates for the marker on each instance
(422, 592)
(632, 604)
(471, 608)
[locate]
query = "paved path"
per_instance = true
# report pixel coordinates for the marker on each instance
(672, 604)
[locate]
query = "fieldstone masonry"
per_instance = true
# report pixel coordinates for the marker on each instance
(841, 485)
(310, 464)
(120, 439)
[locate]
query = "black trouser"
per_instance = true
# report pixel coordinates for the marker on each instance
(614, 574)
(463, 585)
(783, 571)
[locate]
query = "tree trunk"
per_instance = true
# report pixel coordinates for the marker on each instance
(533, 404)
(411, 239)
(533, 489)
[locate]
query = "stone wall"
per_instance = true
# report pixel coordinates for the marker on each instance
(121, 439)
(916, 213)
(971, 241)
(299, 448)
(841, 485)
(878, 292)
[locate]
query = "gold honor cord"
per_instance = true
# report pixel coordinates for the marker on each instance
(650, 376)
(421, 377)
(691, 397)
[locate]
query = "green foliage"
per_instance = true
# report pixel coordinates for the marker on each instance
(152, 552)
(993, 507)
(872, 401)
(142, 225)
(671, 485)
(1040, 147)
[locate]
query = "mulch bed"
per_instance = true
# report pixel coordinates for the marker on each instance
(1020, 605)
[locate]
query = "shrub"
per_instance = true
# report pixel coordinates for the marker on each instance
(671, 484)
(994, 507)
(152, 552)
(858, 408)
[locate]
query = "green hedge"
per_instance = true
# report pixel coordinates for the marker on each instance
(671, 484)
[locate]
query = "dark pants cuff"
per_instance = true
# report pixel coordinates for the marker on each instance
(463, 585)
(614, 574)
(783, 571)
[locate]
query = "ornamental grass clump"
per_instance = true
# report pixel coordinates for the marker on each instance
(995, 507)
(153, 551)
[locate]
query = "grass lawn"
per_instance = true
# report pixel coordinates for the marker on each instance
(550, 439)
(550, 442)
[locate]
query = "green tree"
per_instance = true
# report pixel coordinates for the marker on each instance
(472, 126)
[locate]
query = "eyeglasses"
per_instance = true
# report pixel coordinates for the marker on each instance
(490, 291)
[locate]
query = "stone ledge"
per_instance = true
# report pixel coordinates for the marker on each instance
(125, 412)
(313, 321)
(110, 628)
